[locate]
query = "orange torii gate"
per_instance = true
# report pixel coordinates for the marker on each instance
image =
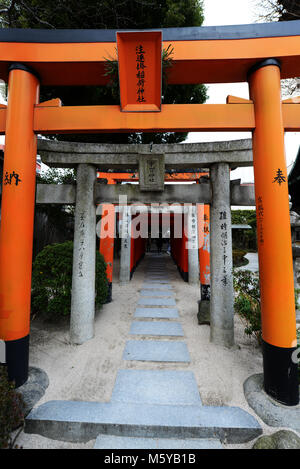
(260, 54)
(114, 178)
(106, 246)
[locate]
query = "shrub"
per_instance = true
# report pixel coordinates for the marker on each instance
(247, 304)
(247, 301)
(52, 280)
(11, 410)
(238, 257)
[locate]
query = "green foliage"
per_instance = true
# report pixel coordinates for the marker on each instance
(56, 176)
(245, 239)
(101, 282)
(297, 293)
(101, 14)
(247, 304)
(105, 14)
(11, 410)
(53, 222)
(238, 257)
(244, 217)
(52, 280)
(247, 301)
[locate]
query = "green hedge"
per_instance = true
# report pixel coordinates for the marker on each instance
(52, 280)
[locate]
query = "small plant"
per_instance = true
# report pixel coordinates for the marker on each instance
(247, 304)
(52, 280)
(11, 411)
(297, 296)
(238, 257)
(247, 301)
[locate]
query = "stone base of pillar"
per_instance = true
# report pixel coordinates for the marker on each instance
(222, 337)
(203, 312)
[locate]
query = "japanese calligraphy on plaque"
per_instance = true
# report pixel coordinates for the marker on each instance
(140, 70)
(152, 172)
(140, 73)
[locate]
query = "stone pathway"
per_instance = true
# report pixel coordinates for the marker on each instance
(153, 408)
(253, 262)
(159, 387)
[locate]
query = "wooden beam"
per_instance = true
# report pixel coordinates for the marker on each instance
(172, 118)
(201, 55)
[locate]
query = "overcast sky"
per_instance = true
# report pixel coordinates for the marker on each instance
(221, 12)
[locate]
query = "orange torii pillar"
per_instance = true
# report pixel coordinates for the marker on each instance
(16, 235)
(204, 256)
(106, 247)
(274, 235)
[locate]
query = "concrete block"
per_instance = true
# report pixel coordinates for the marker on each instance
(156, 313)
(157, 302)
(160, 328)
(154, 286)
(83, 421)
(156, 387)
(156, 351)
(203, 312)
(121, 442)
(156, 293)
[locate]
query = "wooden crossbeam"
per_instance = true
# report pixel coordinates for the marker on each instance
(172, 118)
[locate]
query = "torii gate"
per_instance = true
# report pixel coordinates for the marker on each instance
(114, 178)
(260, 54)
(107, 242)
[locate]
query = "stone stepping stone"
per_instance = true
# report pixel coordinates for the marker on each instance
(155, 274)
(154, 286)
(156, 268)
(157, 302)
(156, 280)
(78, 421)
(123, 442)
(156, 351)
(156, 387)
(157, 313)
(153, 293)
(160, 328)
(150, 274)
(157, 277)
